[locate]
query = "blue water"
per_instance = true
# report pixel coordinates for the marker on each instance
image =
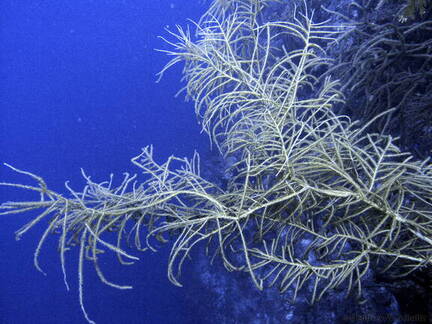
(77, 90)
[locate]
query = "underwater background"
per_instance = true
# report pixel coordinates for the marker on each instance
(78, 90)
